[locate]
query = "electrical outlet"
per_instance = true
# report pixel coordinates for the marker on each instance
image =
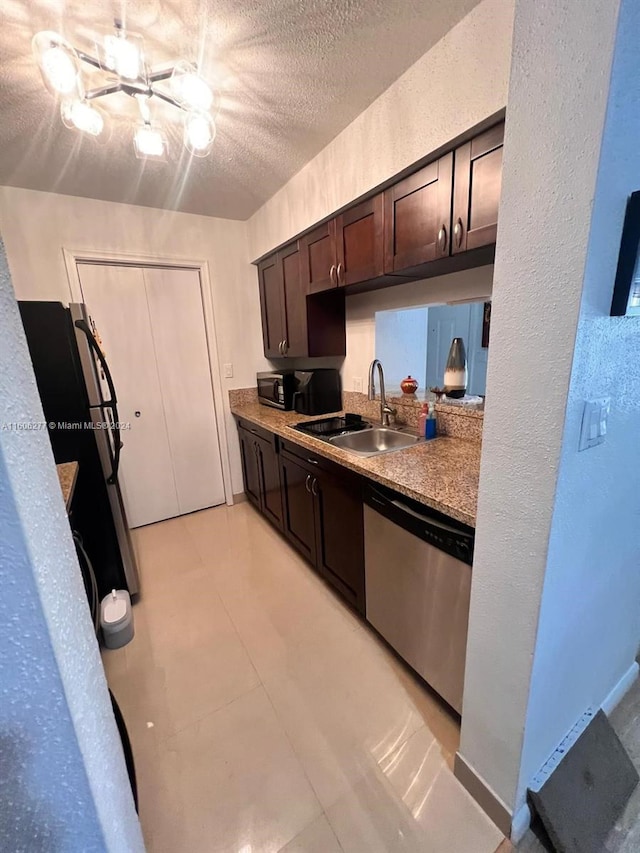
(228, 371)
(357, 384)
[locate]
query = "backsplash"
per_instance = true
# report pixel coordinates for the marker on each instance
(454, 419)
(242, 396)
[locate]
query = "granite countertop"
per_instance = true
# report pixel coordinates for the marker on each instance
(442, 474)
(67, 474)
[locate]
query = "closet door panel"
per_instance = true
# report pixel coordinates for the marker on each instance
(117, 303)
(180, 342)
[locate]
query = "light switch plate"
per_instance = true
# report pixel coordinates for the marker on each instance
(228, 371)
(594, 422)
(357, 384)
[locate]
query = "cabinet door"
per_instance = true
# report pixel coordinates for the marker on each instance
(360, 243)
(272, 306)
(318, 258)
(295, 300)
(340, 535)
(250, 470)
(476, 193)
(269, 471)
(298, 506)
(417, 218)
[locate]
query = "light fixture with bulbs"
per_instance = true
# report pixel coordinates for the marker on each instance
(120, 55)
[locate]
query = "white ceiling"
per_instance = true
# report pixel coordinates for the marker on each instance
(292, 73)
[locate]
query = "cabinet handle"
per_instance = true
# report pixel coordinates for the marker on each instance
(458, 232)
(340, 275)
(285, 346)
(332, 274)
(306, 483)
(312, 461)
(314, 486)
(442, 238)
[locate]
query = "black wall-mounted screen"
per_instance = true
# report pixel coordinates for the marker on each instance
(626, 292)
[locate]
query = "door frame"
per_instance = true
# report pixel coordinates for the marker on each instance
(72, 257)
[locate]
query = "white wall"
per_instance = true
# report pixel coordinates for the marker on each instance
(37, 226)
(589, 629)
(63, 784)
(557, 100)
(462, 80)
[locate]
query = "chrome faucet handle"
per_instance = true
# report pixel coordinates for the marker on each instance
(387, 414)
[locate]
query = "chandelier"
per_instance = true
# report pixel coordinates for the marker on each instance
(120, 55)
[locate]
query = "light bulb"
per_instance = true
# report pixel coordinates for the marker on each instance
(60, 70)
(199, 133)
(85, 117)
(123, 55)
(57, 62)
(149, 142)
(192, 91)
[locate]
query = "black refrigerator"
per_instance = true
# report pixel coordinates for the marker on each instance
(80, 406)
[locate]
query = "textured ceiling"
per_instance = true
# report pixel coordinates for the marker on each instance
(292, 75)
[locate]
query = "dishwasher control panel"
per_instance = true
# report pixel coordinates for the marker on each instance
(447, 534)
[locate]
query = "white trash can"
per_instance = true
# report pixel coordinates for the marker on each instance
(116, 619)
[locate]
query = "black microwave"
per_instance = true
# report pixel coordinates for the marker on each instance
(276, 389)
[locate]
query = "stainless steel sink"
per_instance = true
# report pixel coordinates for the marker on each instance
(372, 442)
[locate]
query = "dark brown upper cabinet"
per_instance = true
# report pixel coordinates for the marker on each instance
(346, 250)
(292, 323)
(318, 258)
(476, 190)
(272, 305)
(360, 242)
(439, 219)
(417, 221)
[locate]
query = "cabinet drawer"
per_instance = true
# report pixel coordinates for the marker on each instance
(262, 433)
(316, 461)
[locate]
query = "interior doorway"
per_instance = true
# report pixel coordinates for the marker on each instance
(151, 323)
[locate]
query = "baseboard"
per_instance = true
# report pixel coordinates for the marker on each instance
(515, 826)
(621, 689)
(239, 498)
(483, 794)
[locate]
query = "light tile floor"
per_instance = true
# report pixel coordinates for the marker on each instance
(265, 716)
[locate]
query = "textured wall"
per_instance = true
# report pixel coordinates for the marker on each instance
(589, 629)
(557, 100)
(63, 784)
(37, 226)
(456, 84)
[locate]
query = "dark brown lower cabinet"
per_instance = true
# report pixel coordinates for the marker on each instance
(261, 472)
(250, 472)
(298, 506)
(323, 519)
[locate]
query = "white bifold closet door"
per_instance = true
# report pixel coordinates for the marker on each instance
(151, 323)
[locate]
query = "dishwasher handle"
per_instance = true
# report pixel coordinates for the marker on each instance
(427, 519)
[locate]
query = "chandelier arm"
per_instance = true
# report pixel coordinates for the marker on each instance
(163, 74)
(167, 98)
(86, 57)
(102, 91)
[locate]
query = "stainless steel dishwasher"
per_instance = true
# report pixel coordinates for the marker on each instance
(418, 583)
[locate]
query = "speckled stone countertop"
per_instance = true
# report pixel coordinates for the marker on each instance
(67, 474)
(442, 473)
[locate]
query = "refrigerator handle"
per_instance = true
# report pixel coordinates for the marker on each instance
(112, 403)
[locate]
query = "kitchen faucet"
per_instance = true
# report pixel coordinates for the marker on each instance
(385, 411)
